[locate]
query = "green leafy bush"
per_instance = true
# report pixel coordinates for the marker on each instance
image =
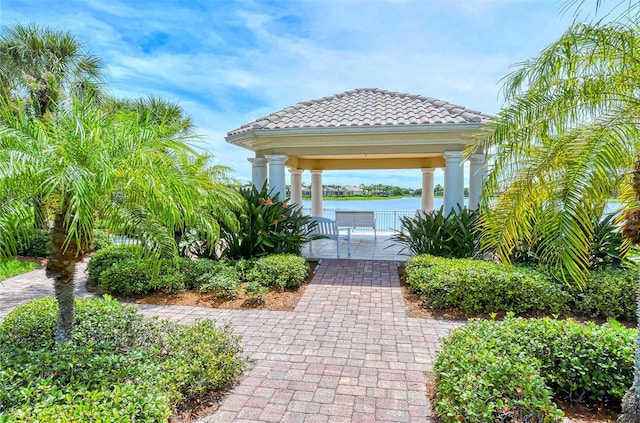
(134, 277)
(206, 355)
(609, 294)
(511, 370)
(213, 276)
(257, 290)
(101, 240)
(119, 367)
(267, 226)
(34, 243)
(128, 277)
(31, 326)
(279, 270)
(451, 235)
(223, 282)
(105, 258)
(480, 286)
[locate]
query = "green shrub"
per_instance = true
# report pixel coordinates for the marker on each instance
(213, 276)
(609, 294)
(480, 286)
(257, 290)
(279, 270)
(101, 240)
(105, 258)
(77, 383)
(267, 226)
(505, 371)
(128, 277)
(193, 269)
(134, 277)
(207, 356)
(437, 234)
(34, 243)
(223, 283)
(30, 326)
(119, 367)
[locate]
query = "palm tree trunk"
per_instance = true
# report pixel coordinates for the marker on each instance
(61, 267)
(631, 400)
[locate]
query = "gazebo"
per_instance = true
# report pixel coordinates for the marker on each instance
(365, 128)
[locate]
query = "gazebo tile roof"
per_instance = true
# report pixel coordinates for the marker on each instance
(366, 107)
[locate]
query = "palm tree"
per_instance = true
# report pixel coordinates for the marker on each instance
(564, 143)
(41, 67)
(92, 164)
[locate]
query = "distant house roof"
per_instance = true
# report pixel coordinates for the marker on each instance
(366, 107)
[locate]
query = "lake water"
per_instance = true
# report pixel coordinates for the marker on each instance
(394, 204)
(398, 204)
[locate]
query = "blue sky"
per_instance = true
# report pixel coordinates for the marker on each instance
(230, 62)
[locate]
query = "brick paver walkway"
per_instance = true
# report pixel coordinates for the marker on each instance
(348, 353)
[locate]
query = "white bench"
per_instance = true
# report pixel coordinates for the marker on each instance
(327, 229)
(356, 219)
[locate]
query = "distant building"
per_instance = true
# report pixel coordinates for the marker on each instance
(350, 190)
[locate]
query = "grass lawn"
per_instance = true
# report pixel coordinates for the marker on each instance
(12, 267)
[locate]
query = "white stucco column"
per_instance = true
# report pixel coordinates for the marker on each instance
(427, 189)
(296, 187)
(476, 180)
(258, 172)
(276, 175)
(316, 193)
(453, 181)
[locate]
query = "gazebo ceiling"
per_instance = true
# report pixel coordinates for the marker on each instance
(362, 129)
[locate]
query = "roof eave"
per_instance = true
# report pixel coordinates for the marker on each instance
(242, 139)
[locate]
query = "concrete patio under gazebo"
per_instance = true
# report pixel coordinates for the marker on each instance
(365, 129)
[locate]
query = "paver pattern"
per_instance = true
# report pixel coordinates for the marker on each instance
(347, 353)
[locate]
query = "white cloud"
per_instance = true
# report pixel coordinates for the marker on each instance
(231, 62)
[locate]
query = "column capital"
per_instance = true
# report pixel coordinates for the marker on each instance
(476, 158)
(316, 172)
(257, 161)
(452, 156)
(276, 158)
(427, 170)
(295, 171)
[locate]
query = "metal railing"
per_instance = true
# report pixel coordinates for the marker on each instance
(386, 221)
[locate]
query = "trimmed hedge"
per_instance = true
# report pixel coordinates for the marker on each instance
(105, 258)
(279, 270)
(609, 294)
(511, 370)
(481, 286)
(120, 365)
(117, 271)
(485, 287)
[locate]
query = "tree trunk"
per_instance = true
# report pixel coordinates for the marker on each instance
(61, 267)
(631, 400)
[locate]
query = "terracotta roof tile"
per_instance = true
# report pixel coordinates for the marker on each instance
(366, 107)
